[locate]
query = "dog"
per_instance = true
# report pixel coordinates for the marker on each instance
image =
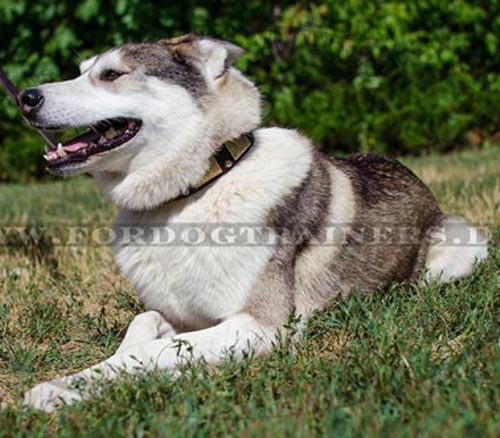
(174, 139)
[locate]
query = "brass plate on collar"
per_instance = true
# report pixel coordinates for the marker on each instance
(213, 172)
(238, 146)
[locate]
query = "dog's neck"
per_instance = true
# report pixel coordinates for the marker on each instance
(234, 109)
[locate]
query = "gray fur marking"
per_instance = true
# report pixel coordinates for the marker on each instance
(297, 220)
(158, 60)
(386, 193)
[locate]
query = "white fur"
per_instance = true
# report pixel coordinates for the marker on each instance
(191, 284)
(87, 64)
(448, 259)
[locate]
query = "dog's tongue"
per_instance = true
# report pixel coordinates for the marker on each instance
(80, 142)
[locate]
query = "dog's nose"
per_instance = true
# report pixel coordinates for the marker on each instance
(30, 99)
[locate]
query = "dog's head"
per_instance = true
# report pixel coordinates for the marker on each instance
(142, 103)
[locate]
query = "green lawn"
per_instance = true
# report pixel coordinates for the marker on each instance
(407, 361)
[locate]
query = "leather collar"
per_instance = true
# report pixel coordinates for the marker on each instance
(222, 161)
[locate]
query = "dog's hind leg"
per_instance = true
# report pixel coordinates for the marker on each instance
(456, 246)
(146, 327)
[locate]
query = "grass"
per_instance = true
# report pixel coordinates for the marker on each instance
(408, 361)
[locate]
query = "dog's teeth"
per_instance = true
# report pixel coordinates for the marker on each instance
(110, 133)
(47, 158)
(46, 148)
(60, 151)
(101, 140)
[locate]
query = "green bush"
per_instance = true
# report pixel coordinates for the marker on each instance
(385, 76)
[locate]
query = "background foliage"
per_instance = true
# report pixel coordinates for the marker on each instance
(385, 76)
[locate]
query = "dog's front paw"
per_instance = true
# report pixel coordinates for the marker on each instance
(49, 395)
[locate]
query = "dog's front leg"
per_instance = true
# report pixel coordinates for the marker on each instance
(236, 334)
(146, 327)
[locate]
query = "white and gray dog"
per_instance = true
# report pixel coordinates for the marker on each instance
(175, 140)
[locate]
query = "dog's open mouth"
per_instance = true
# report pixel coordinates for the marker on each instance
(102, 137)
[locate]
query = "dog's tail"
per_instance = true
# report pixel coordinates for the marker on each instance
(456, 246)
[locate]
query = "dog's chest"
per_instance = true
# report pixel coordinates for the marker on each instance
(182, 269)
(197, 285)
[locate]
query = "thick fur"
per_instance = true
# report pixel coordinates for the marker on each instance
(219, 298)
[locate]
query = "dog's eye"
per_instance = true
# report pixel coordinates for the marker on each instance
(111, 75)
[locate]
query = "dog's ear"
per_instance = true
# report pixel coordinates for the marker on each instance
(215, 55)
